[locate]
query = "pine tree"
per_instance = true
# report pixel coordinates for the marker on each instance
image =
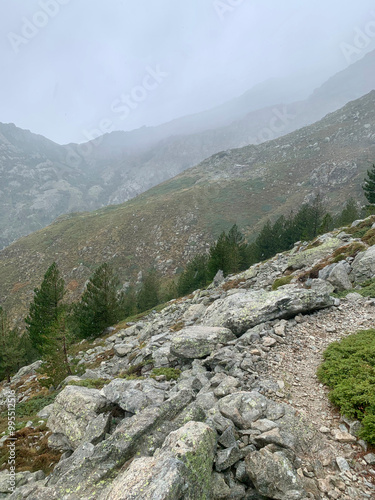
(369, 186)
(349, 213)
(12, 354)
(99, 306)
(194, 276)
(148, 295)
(219, 256)
(44, 309)
(56, 362)
(128, 302)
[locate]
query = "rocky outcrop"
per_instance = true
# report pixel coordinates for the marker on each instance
(237, 423)
(242, 311)
(363, 267)
(79, 415)
(181, 469)
(198, 342)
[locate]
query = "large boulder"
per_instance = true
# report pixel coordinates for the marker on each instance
(241, 311)
(339, 277)
(363, 267)
(199, 341)
(184, 464)
(274, 476)
(134, 395)
(78, 415)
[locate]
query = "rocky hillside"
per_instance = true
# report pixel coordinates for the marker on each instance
(41, 180)
(169, 224)
(216, 396)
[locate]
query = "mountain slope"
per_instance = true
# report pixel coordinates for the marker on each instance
(41, 180)
(170, 223)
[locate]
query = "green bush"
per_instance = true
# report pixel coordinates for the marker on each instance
(34, 405)
(169, 373)
(284, 280)
(349, 370)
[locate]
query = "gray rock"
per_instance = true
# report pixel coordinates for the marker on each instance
(339, 278)
(123, 349)
(184, 464)
(228, 439)
(243, 408)
(199, 341)
(26, 371)
(370, 458)
(244, 311)
(363, 266)
(309, 257)
(342, 464)
(274, 475)
(227, 458)
(220, 489)
(73, 410)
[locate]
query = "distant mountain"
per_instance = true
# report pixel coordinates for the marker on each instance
(170, 223)
(40, 180)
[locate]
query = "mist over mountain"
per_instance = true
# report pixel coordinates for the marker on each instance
(42, 180)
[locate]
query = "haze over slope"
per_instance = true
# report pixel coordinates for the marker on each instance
(167, 225)
(42, 180)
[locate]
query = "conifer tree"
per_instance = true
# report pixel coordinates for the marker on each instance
(194, 276)
(44, 309)
(349, 213)
(99, 306)
(148, 295)
(369, 186)
(56, 362)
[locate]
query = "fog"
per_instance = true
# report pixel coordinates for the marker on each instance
(69, 66)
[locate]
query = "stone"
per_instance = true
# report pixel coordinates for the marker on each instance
(26, 371)
(274, 476)
(227, 386)
(342, 464)
(123, 349)
(269, 342)
(243, 408)
(184, 464)
(199, 341)
(370, 458)
(227, 458)
(220, 489)
(228, 439)
(363, 266)
(73, 410)
(339, 278)
(343, 437)
(243, 311)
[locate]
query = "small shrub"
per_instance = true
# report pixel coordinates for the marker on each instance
(169, 373)
(33, 405)
(284, 280)
(90, 383)
(369, 237)
(349, 370)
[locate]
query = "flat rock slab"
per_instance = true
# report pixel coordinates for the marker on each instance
(199, 341)
(242, 311)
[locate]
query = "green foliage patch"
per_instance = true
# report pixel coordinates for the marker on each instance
(349, 371)
(169, 373)
(90, 383)
(284, 280)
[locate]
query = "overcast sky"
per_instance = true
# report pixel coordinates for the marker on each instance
(73, 65)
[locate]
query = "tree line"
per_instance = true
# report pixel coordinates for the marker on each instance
(52, 324)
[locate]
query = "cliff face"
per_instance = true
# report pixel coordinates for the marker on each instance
(224, 401)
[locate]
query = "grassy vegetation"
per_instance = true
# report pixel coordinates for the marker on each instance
(90, 383)
(169, 373)
(349, 371)
(367, 290)
(284, 280)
